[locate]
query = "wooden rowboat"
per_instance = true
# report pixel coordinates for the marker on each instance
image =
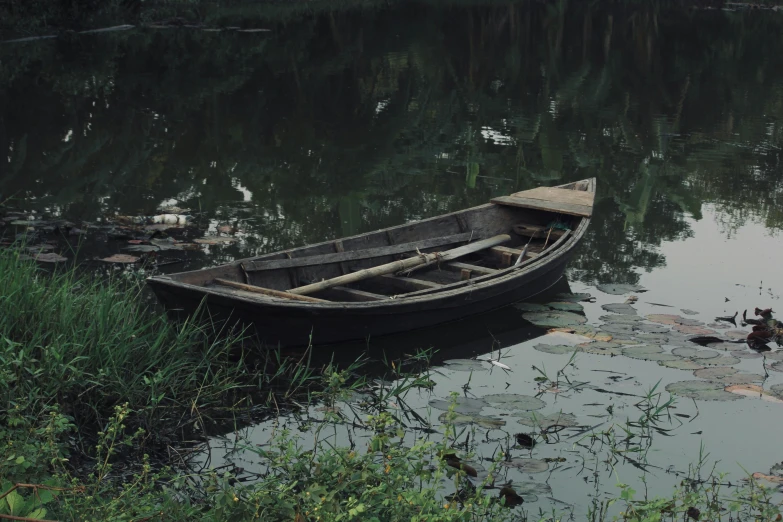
(401, 278)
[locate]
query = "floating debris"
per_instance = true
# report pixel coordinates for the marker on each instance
(620, 289)
(464, 365)
(536, 420)
(688, 312)
(702, 390)
(527, 465)
(511, 498)
(464, 405)
(50, 257)
(554, 318)
(215, 240)
(525, 440)
(514, 402)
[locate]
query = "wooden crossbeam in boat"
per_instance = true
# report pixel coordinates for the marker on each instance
(354, 255)
(508, 256)
(408, 284)
(456, 266)
(343, 293)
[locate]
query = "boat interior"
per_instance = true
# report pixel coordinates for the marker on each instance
(509, 233)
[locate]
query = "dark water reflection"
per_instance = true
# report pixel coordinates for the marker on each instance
(338, 123)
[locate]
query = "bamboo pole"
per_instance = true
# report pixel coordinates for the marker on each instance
(268, 291)
(402, 265)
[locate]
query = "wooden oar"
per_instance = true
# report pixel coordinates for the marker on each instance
(404, 264)
(267, 291)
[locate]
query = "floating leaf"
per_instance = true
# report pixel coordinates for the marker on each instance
(50, 257)
(688, 312)
(531, 307)
(651, 328)
(619, 308)
(120, 258)
(745, 354)
(556, 349)
(775, 356)
(754, 391)
(39, 249)
(620, 289)
(566, 307)
(663, 318)
(619, 328)
(682, 364)
(725, 347)
(702, 390)
(554, 318)
(778, 366)
(142, 248)
(215, 240)
(723, 360)
(514, 402)
(622, 319)
(480, 420)
(464, 365)
(536, 420)
(693, 330)
(602, 348)
(527, 465)
(464, 405)
(769, 478)
(695, 353)
(535, 488)
(648, 352)
(777, 389)
(715, 374)
(652, 338)
(737, 335)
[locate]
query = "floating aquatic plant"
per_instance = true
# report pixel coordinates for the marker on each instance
(737, 335)
(556, 349)
(514, 402)
(745, 354)
(619, 308)
(602, 348)
(619, 328)
(554, 318)
(536, 420)
(464, 405)
(566, 307)
(775, 356)
(651, 328)
(663, 318)
(682, 364)
(695, 353)
(577, 297)
(621, 318)
(702, 390)
(652, 338)
(480, 420)
(723, 360)
(620, 289)
(531, 307)
(693, 330)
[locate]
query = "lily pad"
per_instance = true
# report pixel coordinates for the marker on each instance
(688, 312)
(531, 307)
(464, 405)
(619, 308)
(702, 390)
(464, 365)
(693, 330)
(537, 420)
(648, 352)
(556, 349)
(480, 420)
(651, 328)
(682, 364)
(573, 298)
(745, 354)
(50, 257)
(602, 348)
(723, 360)
(736, 335)
(757, 392)
(566, 307)
(716, 373)
(695, 353)
(778, 366)
(215, 240)
(620, 289)
(527, 465)
(621, 318)
(774, 356)
(584, 330)
(120, 258)
(514, 402)
(620, 328)
(142, 248)
(663, 318)
(535, 488)
(724, 347)
(554, 318)
(657, 338)
(777, 389)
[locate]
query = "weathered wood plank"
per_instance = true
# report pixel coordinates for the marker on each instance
(403, 265)
(536, 231)
(354, 255)
(549, 206)
(576, 197)
(408, 284)
(342, 293)
(508, 256)
(268, 291)
(456, 266)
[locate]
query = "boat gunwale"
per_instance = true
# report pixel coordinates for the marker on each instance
(486, 281)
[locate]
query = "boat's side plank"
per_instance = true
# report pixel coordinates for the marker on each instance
(343, 293)
(561, 207)
(340, 257)
(267, 291)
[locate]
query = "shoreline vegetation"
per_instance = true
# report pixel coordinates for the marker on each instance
(102, 400)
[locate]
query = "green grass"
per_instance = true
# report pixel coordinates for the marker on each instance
(88, 345)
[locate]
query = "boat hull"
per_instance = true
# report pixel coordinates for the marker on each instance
(296, 326)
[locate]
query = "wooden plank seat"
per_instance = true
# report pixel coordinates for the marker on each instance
(562, 201)
(508, 256)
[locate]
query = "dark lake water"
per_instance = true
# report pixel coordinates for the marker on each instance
(336, 123)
